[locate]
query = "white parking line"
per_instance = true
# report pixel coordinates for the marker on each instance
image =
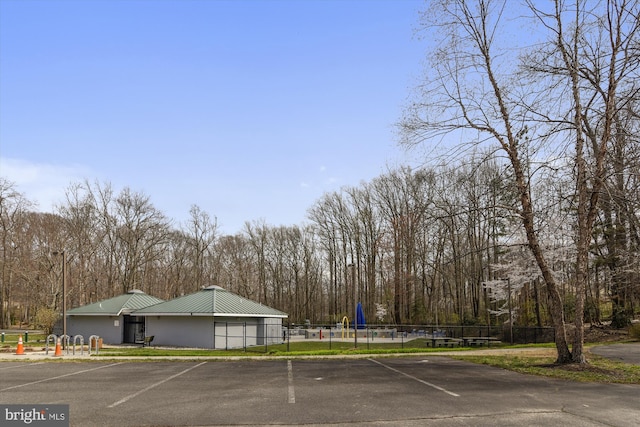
(131, 396)
(60, 376)
(20, 366)
(416, 379)
(292, 393)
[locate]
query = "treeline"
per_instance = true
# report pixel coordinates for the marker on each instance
(436, 245)
(532, 216)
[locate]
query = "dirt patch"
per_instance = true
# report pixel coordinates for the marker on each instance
(585, 367)
(9, 349)
(603, 333)
(524, 352)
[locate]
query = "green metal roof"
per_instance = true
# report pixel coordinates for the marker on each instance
(211, 301)
(133, 300)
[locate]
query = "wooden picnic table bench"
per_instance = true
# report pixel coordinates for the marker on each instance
(478, 341)
(443, 342)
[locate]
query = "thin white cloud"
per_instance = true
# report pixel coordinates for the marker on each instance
(43, 184)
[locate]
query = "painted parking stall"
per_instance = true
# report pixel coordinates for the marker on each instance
(154, 385)
(407, 391)
(216, 393)
(88, 388)
(54, 379)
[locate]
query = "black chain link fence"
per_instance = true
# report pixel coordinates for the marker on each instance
(338, 336)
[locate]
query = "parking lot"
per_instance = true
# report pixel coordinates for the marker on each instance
(411, 391)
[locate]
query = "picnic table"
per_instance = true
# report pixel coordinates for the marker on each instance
(477, 341)
(437, 341)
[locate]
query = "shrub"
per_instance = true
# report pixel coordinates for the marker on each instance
(46, 319)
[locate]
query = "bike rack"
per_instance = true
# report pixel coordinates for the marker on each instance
(76, 338)
(93, 339)
(65, 342)
(54, 338)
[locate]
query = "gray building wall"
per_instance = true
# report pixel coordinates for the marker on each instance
(205, 332)
(109, 328)
(180, 331)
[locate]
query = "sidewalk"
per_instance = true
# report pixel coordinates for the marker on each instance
(42, 356)
(627, 353)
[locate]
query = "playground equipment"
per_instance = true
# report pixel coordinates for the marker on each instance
(345, 321)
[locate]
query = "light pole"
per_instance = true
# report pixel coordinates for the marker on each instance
(64, 291)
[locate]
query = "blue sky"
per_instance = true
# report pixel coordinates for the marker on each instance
(249, 109)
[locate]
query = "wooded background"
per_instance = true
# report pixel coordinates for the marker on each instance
(532, 216)
(435, 246)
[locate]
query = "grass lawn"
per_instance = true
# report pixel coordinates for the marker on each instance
(11, 338)
(598, 369)
(297, 348)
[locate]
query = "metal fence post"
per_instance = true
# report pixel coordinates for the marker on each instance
(265, 334)
(367, 332)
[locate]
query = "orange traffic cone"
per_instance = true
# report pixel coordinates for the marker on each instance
(58, 351)
(20, 349)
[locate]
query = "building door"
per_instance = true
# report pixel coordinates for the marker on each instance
(133, 329)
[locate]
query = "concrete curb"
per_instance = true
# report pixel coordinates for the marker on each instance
(41, 356)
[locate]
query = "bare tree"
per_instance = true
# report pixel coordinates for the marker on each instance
(84, 238)
(326, 232)
(334, 224)
(13, 210)
(475, 85)
(202, 232)
(596, 58)
(141, 231)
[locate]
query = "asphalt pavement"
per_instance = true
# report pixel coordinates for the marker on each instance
(391, 392)
(627, 353)
(360, 390)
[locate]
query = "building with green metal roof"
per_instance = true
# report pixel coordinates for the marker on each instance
(112, 319)
(212, 318)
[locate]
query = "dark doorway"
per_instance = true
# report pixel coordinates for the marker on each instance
(133, 329)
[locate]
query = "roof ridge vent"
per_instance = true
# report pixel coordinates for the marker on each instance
(213, 287)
